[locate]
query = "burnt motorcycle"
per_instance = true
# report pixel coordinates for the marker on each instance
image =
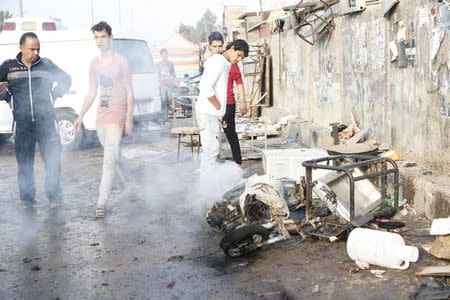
(263, 211)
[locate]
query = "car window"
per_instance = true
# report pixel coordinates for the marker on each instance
(137, 53)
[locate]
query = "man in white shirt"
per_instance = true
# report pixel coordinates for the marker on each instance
(212, 100)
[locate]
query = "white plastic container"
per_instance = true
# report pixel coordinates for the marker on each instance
(287, 163)
(385, 249)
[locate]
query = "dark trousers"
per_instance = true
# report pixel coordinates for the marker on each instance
(45, 132)
(230, 132)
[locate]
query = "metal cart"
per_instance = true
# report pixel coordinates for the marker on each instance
(377, 167)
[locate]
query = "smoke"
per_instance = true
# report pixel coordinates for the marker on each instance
(183, 186)
(213, 182)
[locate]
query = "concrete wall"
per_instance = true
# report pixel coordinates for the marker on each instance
(405, 103)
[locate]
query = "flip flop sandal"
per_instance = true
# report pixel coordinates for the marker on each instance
(100, 213)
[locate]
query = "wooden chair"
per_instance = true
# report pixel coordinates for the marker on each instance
(191, 132)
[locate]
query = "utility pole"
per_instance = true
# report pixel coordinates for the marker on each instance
(120, 16)
(20, 9)
(92, 12)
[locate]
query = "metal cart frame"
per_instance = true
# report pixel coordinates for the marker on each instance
(346, 163)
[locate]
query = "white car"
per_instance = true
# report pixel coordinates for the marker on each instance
(73, 52)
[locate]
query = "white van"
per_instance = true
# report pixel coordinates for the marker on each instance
(73, 52)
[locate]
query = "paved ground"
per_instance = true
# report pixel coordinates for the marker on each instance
(155, 243)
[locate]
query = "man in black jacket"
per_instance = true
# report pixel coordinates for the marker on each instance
(30, 80)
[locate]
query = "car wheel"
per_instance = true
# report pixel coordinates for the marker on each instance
(4, 137)
(244, 240)
(71, 138)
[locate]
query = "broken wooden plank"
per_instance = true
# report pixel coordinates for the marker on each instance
(435, 271)
(440, 248)
(357, 137)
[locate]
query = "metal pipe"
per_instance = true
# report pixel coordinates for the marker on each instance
(20, 9)
(308, 179)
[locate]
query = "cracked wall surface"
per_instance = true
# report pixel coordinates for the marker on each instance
(402, 98)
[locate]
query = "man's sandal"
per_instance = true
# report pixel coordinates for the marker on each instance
(100, 213)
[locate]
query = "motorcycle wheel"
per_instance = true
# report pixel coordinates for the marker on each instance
(244, 240)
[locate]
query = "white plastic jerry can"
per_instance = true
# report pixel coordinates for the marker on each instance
(385, 249)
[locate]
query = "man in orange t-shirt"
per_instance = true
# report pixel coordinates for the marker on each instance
(110, 71)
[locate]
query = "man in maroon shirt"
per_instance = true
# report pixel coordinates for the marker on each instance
(167, 78)
(215, 40)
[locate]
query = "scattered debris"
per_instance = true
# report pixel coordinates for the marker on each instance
(378, 273)
(346, 134)
(35, 268)
(180, 107)
(331, 229)
(403, 212)
(390, 201)
(392, 155)
(431, 290)
(358, 137)
(435, 271)
(239, 265)
(440, 248)
(354, 270)
(176, 258)
(171, 284)
(273, 296)
(410, 164)
(394, 51)
(427, 173)
(391, 225)
(362, 265)
(410, 209)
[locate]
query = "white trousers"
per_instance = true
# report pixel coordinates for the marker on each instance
(109, 136)
(209, 126)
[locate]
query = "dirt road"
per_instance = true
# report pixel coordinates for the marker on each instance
(155, 244)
